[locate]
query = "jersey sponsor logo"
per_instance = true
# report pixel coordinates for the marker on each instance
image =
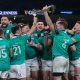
(7, 31)
(32, 38)
(42, 34)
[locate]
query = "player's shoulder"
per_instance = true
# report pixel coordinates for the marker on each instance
(77, 35)
(5, 41)
(25, 36)
(10, 25)
(14, 38)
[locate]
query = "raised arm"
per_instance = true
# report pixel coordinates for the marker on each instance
(33, 28)
(47, 18)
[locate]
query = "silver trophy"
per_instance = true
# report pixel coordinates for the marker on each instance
(51, 9)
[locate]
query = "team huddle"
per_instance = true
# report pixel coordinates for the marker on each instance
(53, 50)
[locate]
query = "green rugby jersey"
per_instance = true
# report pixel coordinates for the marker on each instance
(31, 52)
(75, 55)
(18, 49)
(45, 53)
(61, 43)
(4, 55)
(7, 30)
(40, 36)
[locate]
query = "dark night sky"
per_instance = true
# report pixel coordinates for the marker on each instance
(61, 5)
(30, 4)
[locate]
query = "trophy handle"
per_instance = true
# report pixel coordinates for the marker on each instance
(51, 9)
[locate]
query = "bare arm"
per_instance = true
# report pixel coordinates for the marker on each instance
(47, 18)
(71, 31)
(38, 46)
(33, 28)
(47, 42)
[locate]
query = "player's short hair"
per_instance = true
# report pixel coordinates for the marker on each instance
(63, 21)
(41, 21)
(15, 29)
(78, 22)
(1, 32)
(64, 24)
(6, 17)
(22, 26)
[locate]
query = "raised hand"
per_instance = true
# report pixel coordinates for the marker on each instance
(45, 8)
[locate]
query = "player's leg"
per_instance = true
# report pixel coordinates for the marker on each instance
(45, 75)
(21, 71)
(4, 75)
(34, 75)
(40, 68)
(66, 74)
(1, 75)
(77, 69)
(13, 72)
(56, 74)
(77, 73)
(28, 70)
(76, 65)
(59, 67)
(46, 69)
(72, 72)
(34, 69)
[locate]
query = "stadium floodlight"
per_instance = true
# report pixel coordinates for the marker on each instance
(66, 12)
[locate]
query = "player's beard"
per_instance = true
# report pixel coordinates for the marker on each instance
(4, 25)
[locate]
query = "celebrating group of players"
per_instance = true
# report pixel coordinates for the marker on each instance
(52, 49)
